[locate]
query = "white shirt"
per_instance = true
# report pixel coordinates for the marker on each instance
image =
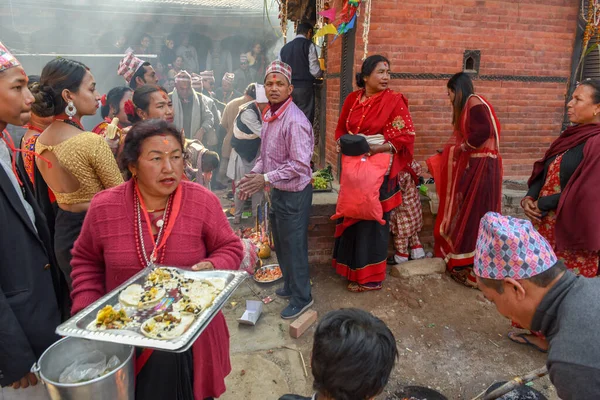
(313, 59)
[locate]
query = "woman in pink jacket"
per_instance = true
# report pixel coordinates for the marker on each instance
(156, 217)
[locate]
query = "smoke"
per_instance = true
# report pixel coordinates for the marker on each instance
(98, 33)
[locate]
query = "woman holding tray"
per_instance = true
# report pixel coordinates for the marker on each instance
(156, 217)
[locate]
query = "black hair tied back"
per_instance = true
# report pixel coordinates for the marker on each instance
(43, 105)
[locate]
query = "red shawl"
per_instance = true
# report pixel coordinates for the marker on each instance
(385, 113)
(578, 213)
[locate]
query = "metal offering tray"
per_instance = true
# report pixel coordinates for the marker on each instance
(77, 326)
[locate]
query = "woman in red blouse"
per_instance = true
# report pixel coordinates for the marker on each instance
(469, 183)
(156, 217)
(382, 117)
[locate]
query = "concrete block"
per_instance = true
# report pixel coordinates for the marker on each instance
(424, 266)
(300, 325)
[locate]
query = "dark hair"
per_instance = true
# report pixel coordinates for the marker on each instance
(594, 84)
(58, 75)
(251, 90)
(141, 99)
(211, 160)
(136, 136)
(33, 79)
(353, 355)
(368, 66)
(141, 71)
(462, 86)
(541, 280)
(304, 28)
(113, 98)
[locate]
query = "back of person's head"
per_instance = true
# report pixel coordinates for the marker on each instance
(210, 161)
(113, 99)
(57, 76)
(353, 355)
(304, 28)
(462, 87)
(251, 91)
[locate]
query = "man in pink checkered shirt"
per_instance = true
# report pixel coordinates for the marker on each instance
(284, 165)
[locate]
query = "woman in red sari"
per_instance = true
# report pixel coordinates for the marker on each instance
(469, 183)
(562, 200)
(382, 116)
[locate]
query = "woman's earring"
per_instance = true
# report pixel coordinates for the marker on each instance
(70, 110)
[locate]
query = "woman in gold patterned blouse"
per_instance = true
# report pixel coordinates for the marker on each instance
(82, 164)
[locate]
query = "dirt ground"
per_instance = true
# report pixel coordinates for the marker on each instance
(449, 338)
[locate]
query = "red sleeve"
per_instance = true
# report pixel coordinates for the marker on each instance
(88, 269)
(223, 247)
(480, 125)
(341, 126)
(400, 132)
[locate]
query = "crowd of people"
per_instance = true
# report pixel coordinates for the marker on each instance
(89, 209)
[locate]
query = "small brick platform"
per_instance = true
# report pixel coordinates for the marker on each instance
(321, 228)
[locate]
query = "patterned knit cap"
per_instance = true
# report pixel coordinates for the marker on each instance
(207, 74)
(183, 76)
(229, 77)
(243, 58)
(509, 247)
(7, 60)
(129, 66)
(280, 67)
(197, 81)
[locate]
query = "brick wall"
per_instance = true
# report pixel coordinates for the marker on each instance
(516, 38)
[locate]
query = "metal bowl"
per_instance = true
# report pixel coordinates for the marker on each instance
(418, 393)
(270, 266)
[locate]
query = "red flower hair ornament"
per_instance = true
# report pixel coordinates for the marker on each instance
(129, 107)
(103, 100)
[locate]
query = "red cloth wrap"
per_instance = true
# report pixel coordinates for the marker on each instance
(578, 213)
(469, 182)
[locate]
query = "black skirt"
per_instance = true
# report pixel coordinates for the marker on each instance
(360, 253)
(166, 376)
(66, 231)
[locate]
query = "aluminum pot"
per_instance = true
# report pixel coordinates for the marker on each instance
(116, 385)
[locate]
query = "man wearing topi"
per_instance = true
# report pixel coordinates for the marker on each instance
(283, 166)
(518, 271)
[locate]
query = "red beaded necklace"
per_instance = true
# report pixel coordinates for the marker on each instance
(33, 128)
(278, 113)
(70, 121)
(367, 103)
(160, 240)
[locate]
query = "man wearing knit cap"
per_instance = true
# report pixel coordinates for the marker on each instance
(208, 83)
(284, 165)
(191, 111)
(29, 276)
(226, 92)
(518, 271)
(244, 75)
(136, 71)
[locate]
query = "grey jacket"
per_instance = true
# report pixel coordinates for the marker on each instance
(569, 316)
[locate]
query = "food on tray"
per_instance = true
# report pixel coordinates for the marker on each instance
(109, 318)
(264, 251)
(201, 292)
(136, 296)
(185, 305)
(166, 326)
(164, 277)
(268, 274)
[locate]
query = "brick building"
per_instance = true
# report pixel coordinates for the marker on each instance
(522, 53)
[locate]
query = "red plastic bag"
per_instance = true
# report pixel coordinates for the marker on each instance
(361, 179)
